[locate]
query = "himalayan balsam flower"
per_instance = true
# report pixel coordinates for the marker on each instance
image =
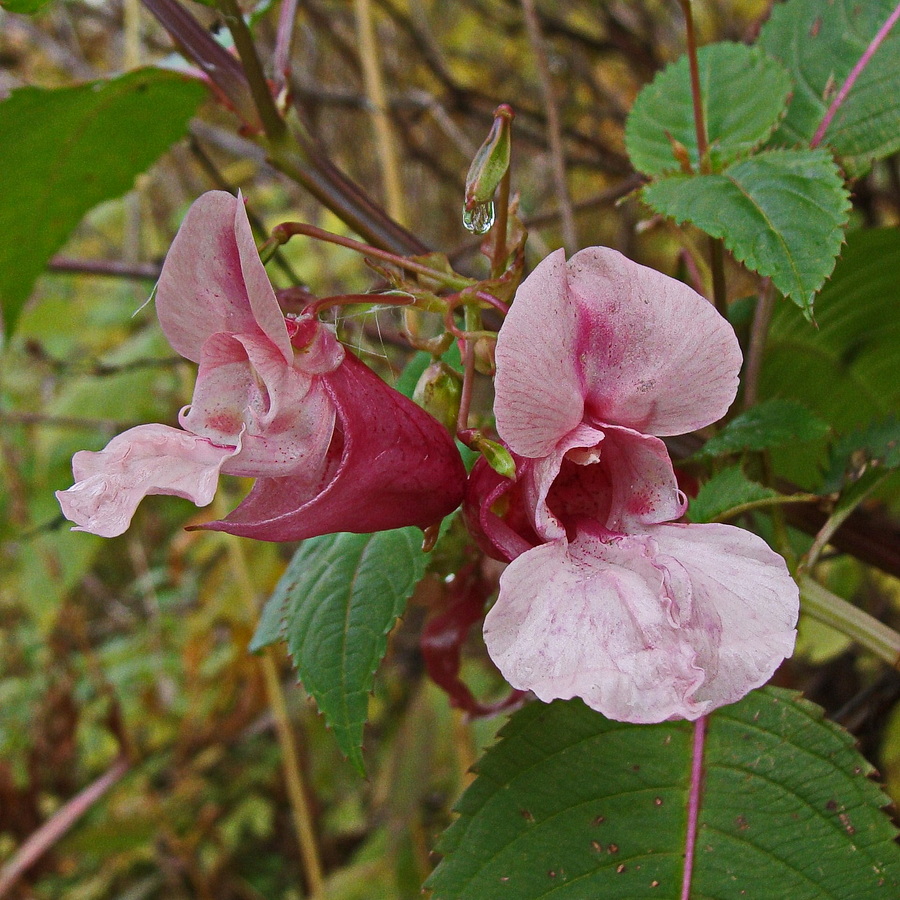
(646, 621)
(332, 447)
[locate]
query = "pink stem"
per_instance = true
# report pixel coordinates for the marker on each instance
(57, 825)
(854, 74)
(693, 805)
(282, 56)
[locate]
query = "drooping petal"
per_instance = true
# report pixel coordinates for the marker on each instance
(614, 477)
(284, 417)
(655, 355)
(645, 628)
(148, 459)
(539, 395)
(391, 464)
(737, 578)
(213, 280)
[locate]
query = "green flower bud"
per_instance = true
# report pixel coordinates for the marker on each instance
(438, 392)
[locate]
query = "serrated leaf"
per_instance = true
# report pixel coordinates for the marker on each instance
(773, 423)
(335, 604)
(781, 213)
(569, 804)
(820, 46)
(845, 369)
(726, 490)
(74, 148)
(744, 93)
(877, 446)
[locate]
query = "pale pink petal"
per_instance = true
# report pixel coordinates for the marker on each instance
(206, 280)
(654, 355)
(266, 310)
(245, 391)
(645, 628)
(149, 459)
(589, 620)
(390, 464)
(746, 586)
(539, 394)
(614, 477)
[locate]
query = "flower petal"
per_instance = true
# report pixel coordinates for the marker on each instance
(213, 280)
(655, 355)
(615, 477)
(645, 628)
(149, 459)
(539, 396)
(390, 464)
(245, 391)
(746, 585)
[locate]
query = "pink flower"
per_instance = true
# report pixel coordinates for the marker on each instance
(332, 446)
(645, 621)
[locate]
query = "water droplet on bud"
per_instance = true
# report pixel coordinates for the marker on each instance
(479, 218)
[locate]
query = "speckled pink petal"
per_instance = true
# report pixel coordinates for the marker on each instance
(737, 579)
(213, 280)
(539, 394)
(390, 464)
(655, 356)
(615, 477)
(644, 628)
(283, 417)
(149, 459)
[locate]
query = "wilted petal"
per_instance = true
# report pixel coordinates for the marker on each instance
(539, 395)
(213, 280)
(284, 417)
(391, 464)
(645, 628)
(149, 459)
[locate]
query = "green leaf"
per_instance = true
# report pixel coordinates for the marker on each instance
(726, 490)
(74, 148)
(335, 604)
(845, 369)
(877, 446)
(24, 7)
(820, 46)
(744, 93)
(781, 213)
(773, 423)
(569, 804)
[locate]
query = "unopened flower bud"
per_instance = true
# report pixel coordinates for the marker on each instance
(484, 355)
(438, 392)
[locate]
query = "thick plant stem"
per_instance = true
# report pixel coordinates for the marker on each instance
(717, 265)
(272, 123)
(866, 630)
(759, 332)
(694, 799)
(501, 225)
(293, 773)
(378, 109)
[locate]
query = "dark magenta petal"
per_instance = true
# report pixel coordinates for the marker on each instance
(392, 465)
(496, 514)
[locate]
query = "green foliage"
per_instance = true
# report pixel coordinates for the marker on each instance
(744, 92)
(877, 446)
(569, 804)
(781, 213)
(726, 490)
(24, 7)
(773, 423)
(337, 601)
(845, 369)
(820, 46)
(74, 148)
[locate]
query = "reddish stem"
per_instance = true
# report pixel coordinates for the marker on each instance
(699, 745)
(855, 72)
